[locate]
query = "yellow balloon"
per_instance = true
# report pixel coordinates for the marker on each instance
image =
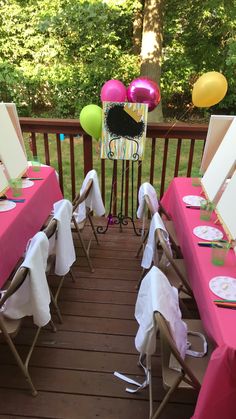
(209, 89)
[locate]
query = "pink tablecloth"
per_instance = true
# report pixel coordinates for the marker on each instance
(18, 225)
(217, 396)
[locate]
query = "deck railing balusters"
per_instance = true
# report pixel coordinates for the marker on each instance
(88, 153)
(177, 158)
(103, 184)
(114, 186)
(156, 133)
(190, 160)
(46, 149)
(33, 145)
(127, 165)
(152, 164)
(59, 161)
(139, 179)
(164, 163)
(72, 167)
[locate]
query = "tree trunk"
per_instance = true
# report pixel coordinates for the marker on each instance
(137, 31)
(151, 51)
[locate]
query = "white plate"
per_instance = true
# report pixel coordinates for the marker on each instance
(224, 287)
(6, 205)
(208, 233)
(26, 183)
(194, 200)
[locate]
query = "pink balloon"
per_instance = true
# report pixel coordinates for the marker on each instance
(113, 91)
(144, 90)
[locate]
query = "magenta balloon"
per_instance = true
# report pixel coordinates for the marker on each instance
(144, 90)
(113, 91)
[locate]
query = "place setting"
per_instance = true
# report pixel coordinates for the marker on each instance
(193, 201)
(225, 288)
(208, 233)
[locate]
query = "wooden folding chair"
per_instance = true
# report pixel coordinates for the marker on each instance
(191, 372)
(168, 225)
(175, 271)
(79, 227)
(51, 233)
(10, 327)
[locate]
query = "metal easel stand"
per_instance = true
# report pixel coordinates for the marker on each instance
(120, 219)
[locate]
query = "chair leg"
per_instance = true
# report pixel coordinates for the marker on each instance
(71, 275)
(142, 244)
(23, 367)
(167, 396)
(83, 245)
(149, 368)
(54, 329)
(54, 302)
(93, 228)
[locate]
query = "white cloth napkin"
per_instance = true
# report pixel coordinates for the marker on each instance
(156, 294)
(146, 189)
(149, 250)
(64, 245)
(94, 200)
(33, 297)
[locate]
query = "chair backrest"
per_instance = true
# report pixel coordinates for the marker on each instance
(16, 282)
(51, 228)
(161, 241)
(82, 197)
(152, 210)
(149, 205)
(161, 211)
(168, 347)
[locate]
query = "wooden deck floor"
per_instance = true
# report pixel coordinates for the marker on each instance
(73, 368)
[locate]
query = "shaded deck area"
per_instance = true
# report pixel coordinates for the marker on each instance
(73, 368)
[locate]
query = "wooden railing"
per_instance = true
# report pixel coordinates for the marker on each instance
(171, 150)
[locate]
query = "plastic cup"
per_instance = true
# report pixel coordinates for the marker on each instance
(196, 181)
(206, 209)
(36, 164)
(16, 186)
(219, 253)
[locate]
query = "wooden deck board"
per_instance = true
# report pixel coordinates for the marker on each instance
(73, 368)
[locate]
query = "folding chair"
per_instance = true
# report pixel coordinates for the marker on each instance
(10, 327)
(79, 227)
(159, 241)
(27, 295)
(168, 224)
(191, 370)
(175, 270)
(51, 233)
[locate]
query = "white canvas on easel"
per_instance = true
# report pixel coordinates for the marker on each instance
(11, 152)
(3, 181)
(218, 127)
(221, 166)
(11, 108)
(226, 208)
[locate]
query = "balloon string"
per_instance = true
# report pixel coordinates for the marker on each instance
(177, 120)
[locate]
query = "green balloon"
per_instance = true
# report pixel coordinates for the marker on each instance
(91, 120)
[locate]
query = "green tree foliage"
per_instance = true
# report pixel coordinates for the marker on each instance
(55, 55)
(198, 37)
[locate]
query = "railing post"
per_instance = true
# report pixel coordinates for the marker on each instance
(88, 153)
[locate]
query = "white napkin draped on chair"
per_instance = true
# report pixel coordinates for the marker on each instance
(146, 189)
(156, 294)
(149, 250)
(64, 245)
(94, 200)
(33, 297)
